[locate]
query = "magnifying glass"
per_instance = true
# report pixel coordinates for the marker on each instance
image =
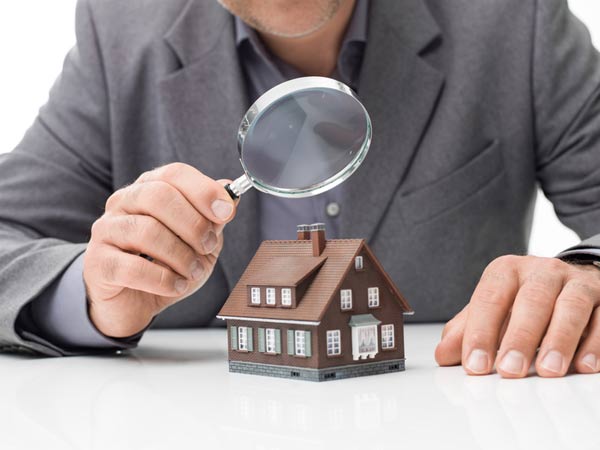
(301, 138)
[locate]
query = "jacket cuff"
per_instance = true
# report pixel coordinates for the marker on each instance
(60, 316)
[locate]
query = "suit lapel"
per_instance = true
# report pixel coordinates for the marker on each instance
(400, 90)
(203, 104)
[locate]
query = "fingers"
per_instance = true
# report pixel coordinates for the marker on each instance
(587, 359)
(206, 195)
(488, 309)
(448, 351)
(530, 316)
(168, 205)
(125, 270)
(146, 235)
(572, 313)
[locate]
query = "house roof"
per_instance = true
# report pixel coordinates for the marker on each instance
(285, 270)
(337, 258)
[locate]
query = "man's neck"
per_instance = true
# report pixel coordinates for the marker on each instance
(317, 53)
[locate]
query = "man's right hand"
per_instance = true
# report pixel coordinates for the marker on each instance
(175, 215)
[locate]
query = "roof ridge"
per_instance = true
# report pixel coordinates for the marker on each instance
(304, 241)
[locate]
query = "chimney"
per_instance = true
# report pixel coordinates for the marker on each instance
(317, 236)
(303, 232)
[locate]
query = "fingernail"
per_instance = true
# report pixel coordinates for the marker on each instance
(222, 209)
(553, 362)
(591, 361)
(477, 362)
(512, 363)
(196, 269)
(210, 242)
(181, 285)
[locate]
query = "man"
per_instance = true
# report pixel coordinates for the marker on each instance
(472, 104)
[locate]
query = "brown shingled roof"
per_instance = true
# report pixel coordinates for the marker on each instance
(285, 271)
(338, 257)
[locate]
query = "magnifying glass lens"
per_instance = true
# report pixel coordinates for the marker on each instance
(305, 139)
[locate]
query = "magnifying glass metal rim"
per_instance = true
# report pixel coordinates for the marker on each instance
(262, 104)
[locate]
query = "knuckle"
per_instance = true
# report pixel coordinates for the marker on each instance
(577, 301)
(481, 338)
(486, 298)
(151, 231)
(521, 337)
(555, 265)
(97, 228)
(560, 337)
(172, 171)
(114, 200)
(127, 225)
(505, 262)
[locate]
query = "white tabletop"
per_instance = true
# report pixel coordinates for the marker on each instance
(175, 392)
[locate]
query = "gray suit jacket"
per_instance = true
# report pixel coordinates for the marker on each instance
(473, 104)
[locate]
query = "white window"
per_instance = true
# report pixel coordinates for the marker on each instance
(387, 336)
(346, 298)
(373, 297)
(286, 297)
(270, 340)
(242, 338)
(255, 295)
(358, 263)
(333, 342)
(300, 343)
(270, 296)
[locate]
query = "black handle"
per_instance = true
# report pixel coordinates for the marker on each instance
(230, 192)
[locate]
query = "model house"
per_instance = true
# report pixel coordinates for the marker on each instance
(315, 309)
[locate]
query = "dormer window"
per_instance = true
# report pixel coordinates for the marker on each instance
(255, 296)
(286, 297)
(346, 299)
(373, 294)
(270, 296)
(358, 263)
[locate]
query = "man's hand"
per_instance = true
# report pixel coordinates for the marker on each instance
(523, 303)
(175, 215)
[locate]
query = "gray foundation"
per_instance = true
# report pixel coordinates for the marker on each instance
(330, 373)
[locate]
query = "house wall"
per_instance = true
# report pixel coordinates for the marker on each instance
(282, 359)
(389, 312)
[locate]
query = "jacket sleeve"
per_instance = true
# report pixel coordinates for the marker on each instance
(566, 105)
(54, 185)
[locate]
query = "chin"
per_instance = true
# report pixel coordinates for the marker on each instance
(288, 18)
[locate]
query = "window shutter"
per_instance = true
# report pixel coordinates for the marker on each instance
(290, 342)
(250, 344)
(261, 340)
(277, 341)
(234, 337)
(308, 349)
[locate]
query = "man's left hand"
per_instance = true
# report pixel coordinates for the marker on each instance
(525, 305)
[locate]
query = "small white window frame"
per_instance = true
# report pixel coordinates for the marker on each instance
(286, 296)
(334, 345)
(346, 299)
(358, 263)
(270, 340)
(387, 337)
(299, 343)
(255, 295)
(243, 338)
(373, 297)
(270, 296)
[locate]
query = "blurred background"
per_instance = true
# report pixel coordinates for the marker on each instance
(36, 34)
